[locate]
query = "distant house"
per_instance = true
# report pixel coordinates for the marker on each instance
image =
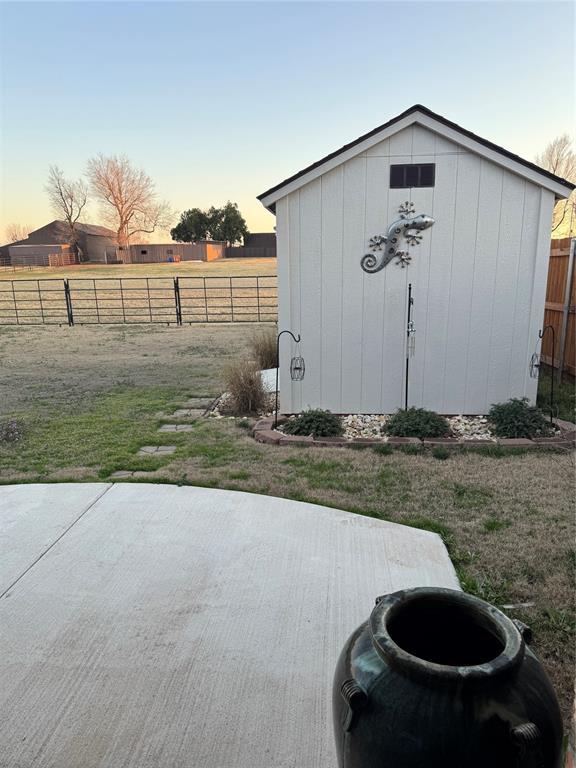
(93, 241)
(256, 245)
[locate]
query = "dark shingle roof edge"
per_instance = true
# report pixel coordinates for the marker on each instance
(420, 108)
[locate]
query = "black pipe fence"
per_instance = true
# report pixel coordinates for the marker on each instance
(168, 300)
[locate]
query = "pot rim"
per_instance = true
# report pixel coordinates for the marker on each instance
(389, 605)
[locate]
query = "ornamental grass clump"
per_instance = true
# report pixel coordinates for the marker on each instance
(517, 418)
(315, 422)
(245, 388)
(417, 422)
(263, 345)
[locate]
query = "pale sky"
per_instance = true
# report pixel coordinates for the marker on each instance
(221, 101)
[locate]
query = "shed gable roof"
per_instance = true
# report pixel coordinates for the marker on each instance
(425, 117)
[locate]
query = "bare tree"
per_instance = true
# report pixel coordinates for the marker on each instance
(68, 199)
(559, 158)
(128, 196)
(15, 232)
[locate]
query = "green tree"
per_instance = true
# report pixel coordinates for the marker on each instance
(194, 225)
(226, 224)
(230, 226)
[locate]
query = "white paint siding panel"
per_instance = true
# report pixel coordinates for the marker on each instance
(505, 288)
(285, 288)
(310, 290)
(382, 149)
(441, 240)
(401, 144)
(443, 146)
(423, 143)
(377, 184)
(353, 248)
(483, 285)
(461, 276)
(520, 354)
(294, 402)
(332, 288)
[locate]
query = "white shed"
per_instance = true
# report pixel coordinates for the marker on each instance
(471, 236)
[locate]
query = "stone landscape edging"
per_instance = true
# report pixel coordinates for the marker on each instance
(264, 432)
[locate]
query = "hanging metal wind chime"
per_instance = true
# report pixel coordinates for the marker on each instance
(297, 368)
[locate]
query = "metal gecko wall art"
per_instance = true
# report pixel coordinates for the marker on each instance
(386, 247)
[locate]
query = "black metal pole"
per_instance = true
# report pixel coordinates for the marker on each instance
(409, 318)
(278, 368)
(541, 336)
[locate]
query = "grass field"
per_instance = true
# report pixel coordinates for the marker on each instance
(218, 268)
(218, 291)
(89, 397)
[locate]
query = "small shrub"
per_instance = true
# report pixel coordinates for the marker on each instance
(384, 449)
(417, 422)
(315, 422)
(11, 431)
(244, 423)
(244, 385)
(517, 418)
(263, 346)
(411, 450)
(441, 453)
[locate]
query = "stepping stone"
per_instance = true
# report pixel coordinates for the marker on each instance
(199, 402)
(187, 413)
(176, 428)
(121, 474)
(156, 450)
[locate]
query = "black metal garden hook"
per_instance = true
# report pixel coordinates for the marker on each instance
(541, 337)
(297, 340)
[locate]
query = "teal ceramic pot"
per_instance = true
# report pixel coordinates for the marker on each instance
(436, 677)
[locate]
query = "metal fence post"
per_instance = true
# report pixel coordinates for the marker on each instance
(68, 297)
(177, 301)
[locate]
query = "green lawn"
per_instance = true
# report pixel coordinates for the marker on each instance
(88, 398)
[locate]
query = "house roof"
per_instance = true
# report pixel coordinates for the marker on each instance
(87, 229)
(419, 114)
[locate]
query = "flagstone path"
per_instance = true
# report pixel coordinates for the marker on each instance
(190, 411)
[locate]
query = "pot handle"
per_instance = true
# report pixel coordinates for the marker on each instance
(355, 699)
(528, 743)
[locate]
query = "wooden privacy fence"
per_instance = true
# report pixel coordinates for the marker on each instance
(560, 311)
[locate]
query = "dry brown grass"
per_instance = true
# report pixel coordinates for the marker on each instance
(263, 346)
(218, 268)
(244, 387)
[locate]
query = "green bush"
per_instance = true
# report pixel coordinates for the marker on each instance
(517, 418)
(315, 422)
(417, 422)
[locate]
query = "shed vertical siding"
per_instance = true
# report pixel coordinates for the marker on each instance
(332, 289)
(478, 277)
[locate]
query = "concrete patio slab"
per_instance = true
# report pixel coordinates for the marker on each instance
(32, 517)
(181, 627)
